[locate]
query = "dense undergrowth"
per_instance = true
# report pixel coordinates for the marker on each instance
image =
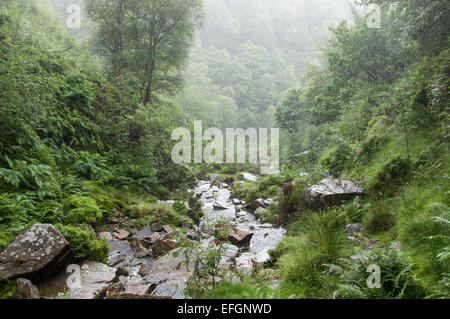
(72, 146)
(384, 122)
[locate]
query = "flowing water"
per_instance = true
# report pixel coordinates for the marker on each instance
(217, 205)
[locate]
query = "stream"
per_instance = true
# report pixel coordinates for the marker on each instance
(140, 273)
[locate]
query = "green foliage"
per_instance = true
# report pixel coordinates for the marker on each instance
(325, 234)
(84, 243)
(148, 213)
(238, 290)
(82, 210)
(397, 278)
(336, 159)
(7, 288)
(377, 218)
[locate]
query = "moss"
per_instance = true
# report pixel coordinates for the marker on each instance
(7, 288)
(147, 213)
(84, 243)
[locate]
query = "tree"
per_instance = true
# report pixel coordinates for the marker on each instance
(159, 35)
(112, 17)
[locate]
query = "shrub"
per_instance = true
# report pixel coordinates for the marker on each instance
(301, 274)
(82, 210)
(7, 288)
(148, 213)
(335, 159)
(271, 180)
(396, 277)
(84, 243)
(377, 219)
(353, 211)
(393, 172)
(325, 234)
(236, 290)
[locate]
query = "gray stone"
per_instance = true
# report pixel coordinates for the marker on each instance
(332, 192)
(163, 245)
(105, 236)
(39, 251)
(25, 290)
(240, 237)
(249, 177)
(95, 279)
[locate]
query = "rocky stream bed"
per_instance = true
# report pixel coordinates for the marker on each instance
(141, 263)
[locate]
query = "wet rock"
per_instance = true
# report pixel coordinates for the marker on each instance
(332, 192)
(244, 262)
(156, 227)
(193, 236)
(163, 245)
(37, 252)
(105, 236)
(169, 284)
(114, 289)
(95, 279)
(249, 177)
(167, 229)
(219, 205)
(177, 260)
(257, 203)
(144, 234)
(354, 228)
(240, 237)
(122, 271)
(154, 237)
(25, 290)
(215, 181)
(122, 234)
(116, 259)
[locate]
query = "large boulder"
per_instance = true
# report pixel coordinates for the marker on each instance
(332, 192)
(240, 237)
(25, 290)
(37, 253)
(95, 278)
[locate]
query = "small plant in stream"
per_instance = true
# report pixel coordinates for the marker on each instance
(208, 271)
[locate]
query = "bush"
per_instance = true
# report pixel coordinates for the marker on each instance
(82, 210)
(301, 275)
(393, 172)
(325, 234)
(235, 290)
(84, 243)
(396, 277)
(149, 213)
(377, 219)
(336, 159)
(7, 288)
